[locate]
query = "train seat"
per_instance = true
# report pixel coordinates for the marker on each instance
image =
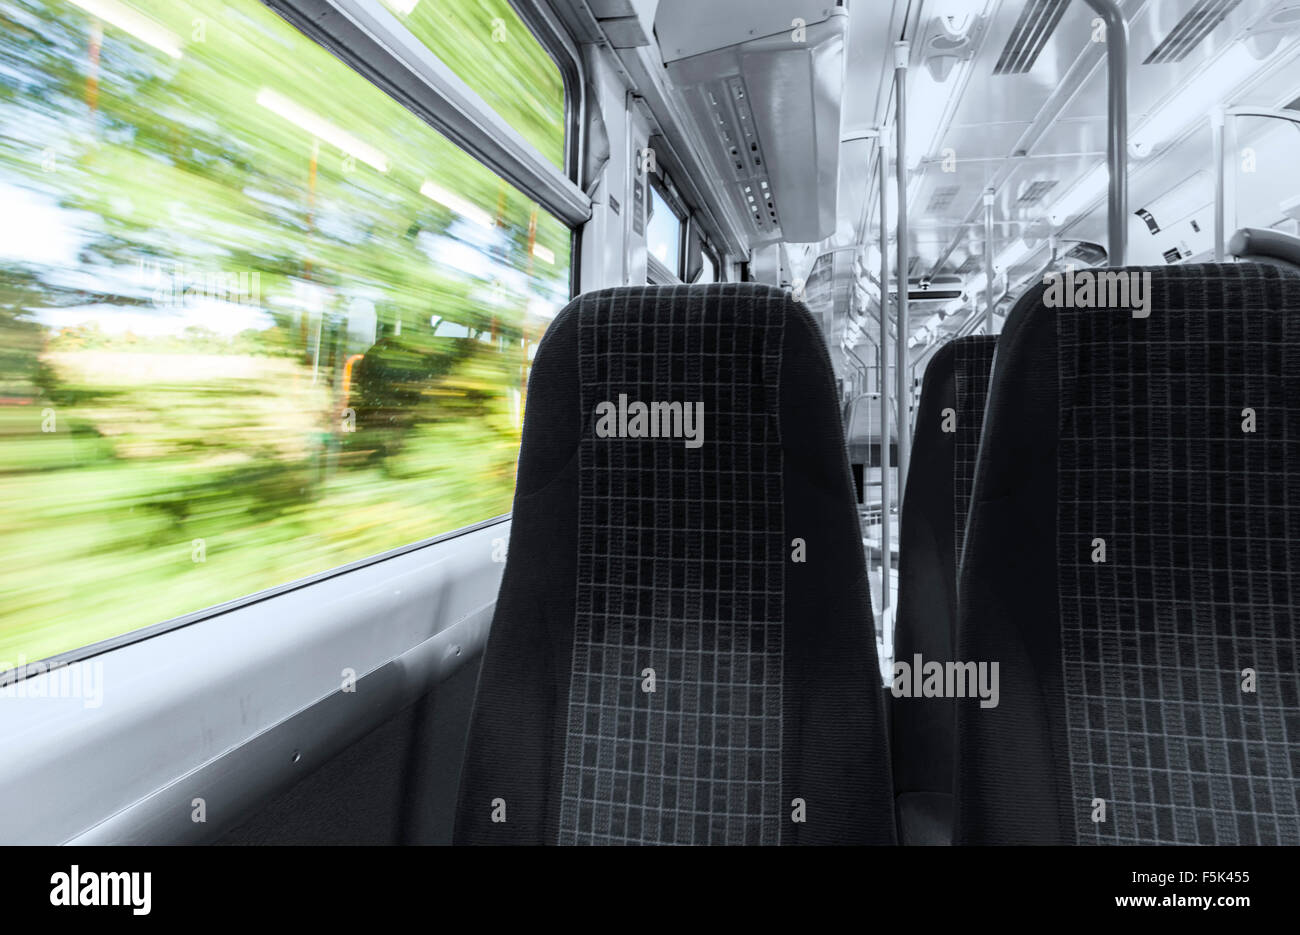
(683, 647)
(946, 440)
(1272, 247)
(1133, 563)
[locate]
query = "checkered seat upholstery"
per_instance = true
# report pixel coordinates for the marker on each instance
(937, 495)
(666, 664)
(1148, 692)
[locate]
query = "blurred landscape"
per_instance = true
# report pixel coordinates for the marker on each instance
(256, 320)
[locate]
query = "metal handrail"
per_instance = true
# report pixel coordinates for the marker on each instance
(883, 150)
(902, 327)
(1116, 128)
(1219, 124)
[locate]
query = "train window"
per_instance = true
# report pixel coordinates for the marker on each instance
(490, 48)
(664, 232)
(259, 321)
(709, 267)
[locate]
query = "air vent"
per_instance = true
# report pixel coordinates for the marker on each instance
(758, 199)
(1038, 20)
(735, 126)
(1198, 23)
(734, 122)
(933, 295)
(941, 199)
(769, 111)
(1035, 191)
(1089, 254)
(1171, 255)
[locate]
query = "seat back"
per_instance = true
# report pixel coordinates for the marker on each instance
(1132, 561)
(949, 418)
(683, 648)
(1272, 247)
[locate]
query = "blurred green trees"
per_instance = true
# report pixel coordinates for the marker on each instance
(166, 444)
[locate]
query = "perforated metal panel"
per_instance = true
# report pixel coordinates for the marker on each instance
(732, 119)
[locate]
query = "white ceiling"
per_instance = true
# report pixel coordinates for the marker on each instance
(1049, 124)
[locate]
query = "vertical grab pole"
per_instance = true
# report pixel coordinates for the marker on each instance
(1217, 118)
(988, 259)
(1230, 146)
(883, 147)
(1117, 126)
(904, 329)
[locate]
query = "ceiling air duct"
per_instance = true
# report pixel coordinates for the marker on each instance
(1038, 20)
(763, 82)
(1196, 24)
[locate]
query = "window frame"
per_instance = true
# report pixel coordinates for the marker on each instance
(369, 39)
(556, 40)
(299, 713)
(559, 45)
(90, 650)
(661, 185)
(695, 228)
(709, 253)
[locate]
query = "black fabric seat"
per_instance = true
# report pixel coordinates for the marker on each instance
(1122, 674)
(936, 499)
(641, 558)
